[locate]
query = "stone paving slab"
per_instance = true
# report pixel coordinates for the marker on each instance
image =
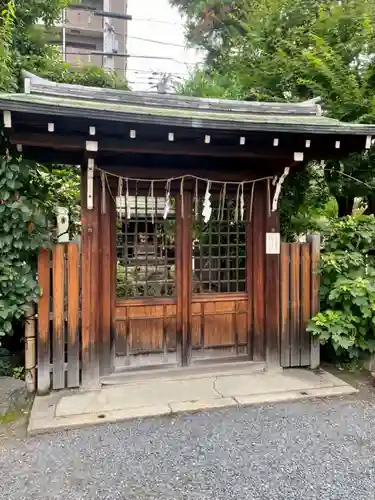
(67, 409)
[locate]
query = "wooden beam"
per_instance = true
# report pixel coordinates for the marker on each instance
(184, 147)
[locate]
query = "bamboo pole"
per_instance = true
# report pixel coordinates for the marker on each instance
(30, 345)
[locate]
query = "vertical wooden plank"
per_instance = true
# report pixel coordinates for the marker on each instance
(187, 276)
(272, 291)
(295, 304)
(73, 315)
(179, 278)
(90, 286)
(113, 223)
(315, 258)
(305, 304)
(258, 247)
(249, 280)
(285, 319)
(43, 343)
(105, 285)
(58, 332)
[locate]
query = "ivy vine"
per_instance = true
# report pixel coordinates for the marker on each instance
(23, 230)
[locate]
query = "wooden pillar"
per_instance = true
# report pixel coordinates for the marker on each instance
(256, 259)
(187, 257)
(44, 342)
(249, 282)
(272, 289)
(184, 275)
(113, 223)
(90, 284)
(314, 240)
(106, 280)
(179, 281)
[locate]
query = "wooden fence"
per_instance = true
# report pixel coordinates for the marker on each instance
(299, 301)
(58, 341)
(59, 357)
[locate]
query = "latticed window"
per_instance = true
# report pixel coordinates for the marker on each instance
(146, 261)
(219, 253)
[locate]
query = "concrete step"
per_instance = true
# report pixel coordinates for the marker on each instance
(177, 373)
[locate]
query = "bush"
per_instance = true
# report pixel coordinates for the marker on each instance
(347, 292)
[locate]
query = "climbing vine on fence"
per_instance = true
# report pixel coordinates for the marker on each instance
(23, 229)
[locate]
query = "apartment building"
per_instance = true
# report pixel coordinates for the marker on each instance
(86, 35)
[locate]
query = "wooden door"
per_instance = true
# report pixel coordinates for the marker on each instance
(181, 284)
(146, 308)
(219, 301)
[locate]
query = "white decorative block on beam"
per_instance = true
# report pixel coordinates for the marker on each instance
(51, 127)
(91, 146)
(27, 85)
(242, 141)
(207, 139)
(368, 142)
(92, 130)
(337, 144)
(308, 143)
(171, 136)
(7, 115)
(298, 156)
(276, 141)
(133, 134)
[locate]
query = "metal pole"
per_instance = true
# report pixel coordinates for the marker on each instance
(64, 34)
(108, 37)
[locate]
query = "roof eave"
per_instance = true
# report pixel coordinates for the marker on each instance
(184, 122)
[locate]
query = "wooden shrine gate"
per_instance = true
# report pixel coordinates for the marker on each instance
(223, 315)
(180, 271)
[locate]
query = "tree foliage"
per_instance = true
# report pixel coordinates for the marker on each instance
(29, 192)
(347, 317)
(295, 50)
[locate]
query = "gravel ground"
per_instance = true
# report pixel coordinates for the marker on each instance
(302, 450)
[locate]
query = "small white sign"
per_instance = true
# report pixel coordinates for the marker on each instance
(273, 243)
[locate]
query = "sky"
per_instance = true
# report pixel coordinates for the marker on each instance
(157, 21)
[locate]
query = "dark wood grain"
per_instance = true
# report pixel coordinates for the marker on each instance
(272, 296)
(315, 258)
(43, 340)
(305, 303)
(179, 280)
(73, 314)
(258, 248)
(284, 306)
(295, 305)
(58, 332)
(250, 278)
(105, 283)
(90, 287)
(186, 207)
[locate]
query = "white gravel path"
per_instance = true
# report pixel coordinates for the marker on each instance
(302, 450)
